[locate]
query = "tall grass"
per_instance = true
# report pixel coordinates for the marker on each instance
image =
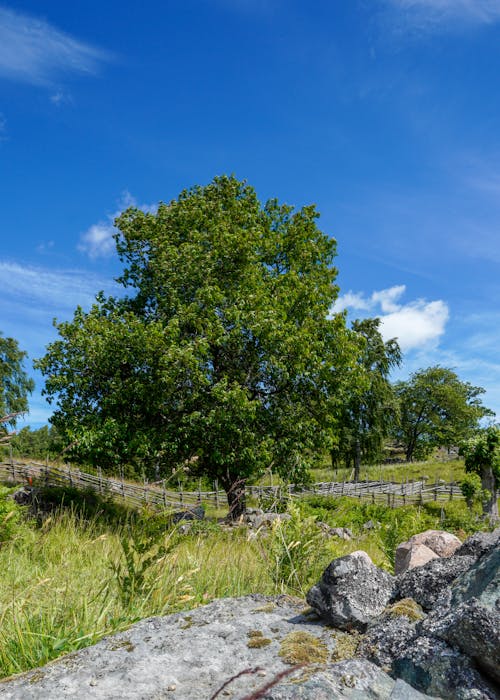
(66, 583)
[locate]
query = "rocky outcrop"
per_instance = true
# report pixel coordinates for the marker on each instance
(450, 647)
(351, 592)
(189, 656)
(390, 647)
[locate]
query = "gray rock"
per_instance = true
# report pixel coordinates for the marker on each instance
(433, 667)
(472, 620)
(386, 641)
(267, 519)
(481, 581)
(355, 679)
(351, 592)
(429, 583)
(344, 533)
(196, 513)
(480, 543)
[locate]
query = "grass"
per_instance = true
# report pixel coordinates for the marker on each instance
(90, 569)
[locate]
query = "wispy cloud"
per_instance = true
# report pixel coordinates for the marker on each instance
(48, 289)
(34, 51)
(97, 241)
(422, 16)
(417, 324)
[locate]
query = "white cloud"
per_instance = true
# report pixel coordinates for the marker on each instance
(97, 241)
(33, 51)
(430, 15)
(416, 324)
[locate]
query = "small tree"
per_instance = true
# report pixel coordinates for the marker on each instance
(436, 409)
(482, 457)
(370, 410)
(15, 385)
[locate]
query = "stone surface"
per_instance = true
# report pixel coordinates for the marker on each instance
(431, 582)
(386, 641)
(417, 550)
(480, 543)
(355, 679)
(432, 666)
(351, 592)
(471, 622)
(190, 655)
(410, 555)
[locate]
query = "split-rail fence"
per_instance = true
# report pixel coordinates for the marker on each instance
(156, 495)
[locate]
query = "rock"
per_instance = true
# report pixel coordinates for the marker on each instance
(441, 543)
(409, 556)
(344, 533)
(431, 582)
(472, 620)
(433, 667)
(197, 513)
(351, 592)
(190, 655)
(369, 525)
(356, 679)
(387, 640)
(23, 496)
(267, 519)
(480, 543)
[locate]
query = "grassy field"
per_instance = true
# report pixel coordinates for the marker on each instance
(89, 568)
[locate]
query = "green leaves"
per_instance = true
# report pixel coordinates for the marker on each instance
(223, 353)
(15, 385)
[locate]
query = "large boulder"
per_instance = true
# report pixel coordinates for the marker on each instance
(351, 592)
(480, 543)
(417, 550)
(471, 621)
(435, 668)
(409, 556)
(430, 583)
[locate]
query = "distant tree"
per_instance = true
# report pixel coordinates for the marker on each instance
(437, 409)
(369, 412)
(223, 359)
(37, 444)
(15, 385)
(482, 457)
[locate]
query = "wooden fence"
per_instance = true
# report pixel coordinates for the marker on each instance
(156, 494)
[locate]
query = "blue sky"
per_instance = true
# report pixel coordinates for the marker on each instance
(385, 113)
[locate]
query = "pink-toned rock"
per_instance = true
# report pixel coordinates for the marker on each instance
(438, 542)
(443, 543)
(411, 556)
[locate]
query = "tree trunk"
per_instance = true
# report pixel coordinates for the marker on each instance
(488, 482)
(236, 496)
(357, 460)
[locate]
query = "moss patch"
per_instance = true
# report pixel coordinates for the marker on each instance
(303, 648)
(406, 607)
(126, 644)
(345, 646)
(267, 608)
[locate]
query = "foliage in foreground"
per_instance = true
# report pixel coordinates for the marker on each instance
(78, 576)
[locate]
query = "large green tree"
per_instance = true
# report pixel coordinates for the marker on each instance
(223, 357)
(482, 457)
(15, 385)
(437, 409)
(370, 410)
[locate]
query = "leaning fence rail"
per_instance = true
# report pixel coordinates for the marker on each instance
(158, 496)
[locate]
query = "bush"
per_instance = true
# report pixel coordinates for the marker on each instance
(12, 522)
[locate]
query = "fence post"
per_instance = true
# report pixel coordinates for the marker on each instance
(181, 499)
(164, 495)
(435, 490)
(146, 491)
(216, 484)
(70, 476)
(199, 490)
(451, 490)
(99, 474)
(123, 484)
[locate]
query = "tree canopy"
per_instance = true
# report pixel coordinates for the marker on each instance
(436, 409)
(223, 357)
(482, 456)
(370, 410)
(15, 385)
